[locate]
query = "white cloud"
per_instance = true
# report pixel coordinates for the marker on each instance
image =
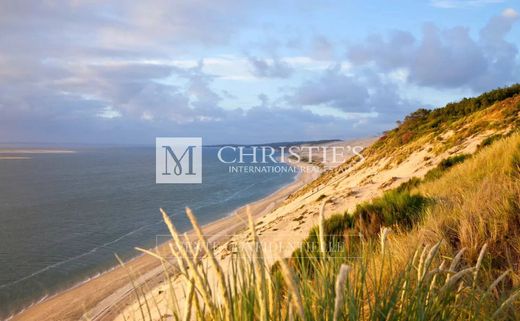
(448, 4)
(510, 13)
(88, 69)
(446, 58)
(109, 113)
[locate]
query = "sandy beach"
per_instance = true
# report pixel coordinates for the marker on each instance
(103, 297)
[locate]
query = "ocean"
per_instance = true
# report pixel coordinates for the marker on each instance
(63, 217)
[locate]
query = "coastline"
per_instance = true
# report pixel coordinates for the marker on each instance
(103, 296)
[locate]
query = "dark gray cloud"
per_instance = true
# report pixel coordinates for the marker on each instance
(447, 58)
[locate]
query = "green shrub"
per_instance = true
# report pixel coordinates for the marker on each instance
(334, 227)
(489, 140)
(469, 105)
(394, 207)
(321, 197)
(444, 165)
(409, 184)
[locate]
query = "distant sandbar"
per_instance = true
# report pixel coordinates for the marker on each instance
(35, 151)
(13, 157)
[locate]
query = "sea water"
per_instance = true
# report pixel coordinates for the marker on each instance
(63, 217)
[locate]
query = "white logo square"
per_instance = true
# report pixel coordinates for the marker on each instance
(178, 160)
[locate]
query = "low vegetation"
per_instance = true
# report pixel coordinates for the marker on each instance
(424, 121)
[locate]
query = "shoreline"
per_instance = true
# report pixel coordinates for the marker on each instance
(101, 297)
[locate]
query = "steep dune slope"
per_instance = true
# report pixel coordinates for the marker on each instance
(416, 146)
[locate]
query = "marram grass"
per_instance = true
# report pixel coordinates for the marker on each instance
(428, 287)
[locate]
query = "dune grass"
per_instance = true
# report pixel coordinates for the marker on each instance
(479, 203)
(372, 287)
(447, 248)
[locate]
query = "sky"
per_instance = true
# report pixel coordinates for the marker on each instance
(239, 71)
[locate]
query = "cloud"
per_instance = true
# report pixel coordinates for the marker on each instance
(102, 63)
(387, 54)
(510, 13)
(322, 49)
(272, 68)
(124, 26)
(499, 26)
(365, 94)
(237, 126)
(101, 71)
(133, 102)
(333, 89)
(448, 4)
(446, 58)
